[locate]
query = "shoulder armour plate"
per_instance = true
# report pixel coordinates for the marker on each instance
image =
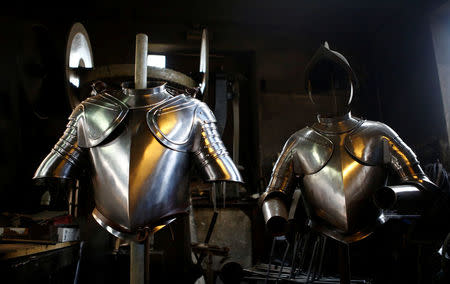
(99, 116)
(313, 150)
(369, 143)
(174, 122)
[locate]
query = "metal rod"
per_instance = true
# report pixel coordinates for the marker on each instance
(136, 263)
(311, 262)
(344, 264)
(71, 194)
(137, 250)
(322, 253)
(140, 67)
(294, 254)
(224, 192)
(282, 262)
(305, 245)
(270, 260)
(148, 248)
(77, 271)
(75, 202)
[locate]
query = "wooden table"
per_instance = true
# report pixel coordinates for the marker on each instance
(34, 262)
(13, 250)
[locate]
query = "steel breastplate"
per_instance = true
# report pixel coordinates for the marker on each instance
(339, 195)
(138, 182)
(140, 179)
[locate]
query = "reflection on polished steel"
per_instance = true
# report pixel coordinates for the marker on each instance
(342, 160)
(140, 145)
(204, 62)
(78, 54)
(404, 198)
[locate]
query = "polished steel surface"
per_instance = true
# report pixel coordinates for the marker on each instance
(204, 62)
(403, 199)
(341, 160)
(340, 193)
(78, 54)
(275, 215)
(98, 118)
(140, 155)
(341, 171)
(336, 125)
(174, 123)
(67, 159)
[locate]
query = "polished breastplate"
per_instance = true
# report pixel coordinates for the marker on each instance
(137, 181)
(139, 146)
(339, 185)
(339, 194)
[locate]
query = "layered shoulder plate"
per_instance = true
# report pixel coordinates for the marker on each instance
(175, 121)
(313, 150)
(99, 116)
(369, 143)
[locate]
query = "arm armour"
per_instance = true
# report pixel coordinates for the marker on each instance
(273, 201)
(66, 158)
(415, 190)
(209, 151)
(404, 162)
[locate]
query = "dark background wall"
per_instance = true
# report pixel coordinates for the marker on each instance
(388, 43)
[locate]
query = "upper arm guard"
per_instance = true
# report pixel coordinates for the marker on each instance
(375, 143)
(187, 125)
(66, 158)
(283, 172)
(305, 152)
(209, 151)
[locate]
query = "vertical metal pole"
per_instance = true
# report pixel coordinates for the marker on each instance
(282, 262)
(148, 248)
(137, 266)
(294, 255)
(75, 202)
(270, 260)
(344, 264)
(224, 192)
(136, 263)
(236, 130)
(140, 67)
(71, 194)
(324, 243)
(311, 262)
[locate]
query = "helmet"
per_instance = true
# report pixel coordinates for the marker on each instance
(330, 82)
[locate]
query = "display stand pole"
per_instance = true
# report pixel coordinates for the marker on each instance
(137, 250)
(344, 264)
(136, 263)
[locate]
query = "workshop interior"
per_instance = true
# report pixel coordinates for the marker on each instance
(225, 142)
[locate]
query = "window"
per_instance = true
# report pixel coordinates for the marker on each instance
(156, 60)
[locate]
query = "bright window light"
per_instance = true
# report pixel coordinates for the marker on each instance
(156, 60)
(74, 80)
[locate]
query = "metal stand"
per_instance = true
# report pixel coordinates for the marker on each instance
(138, 250)
(137, 267)
(147, 250)
(302, 271)
(344, 264)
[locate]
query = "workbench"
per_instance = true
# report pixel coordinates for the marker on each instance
(38, 263)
